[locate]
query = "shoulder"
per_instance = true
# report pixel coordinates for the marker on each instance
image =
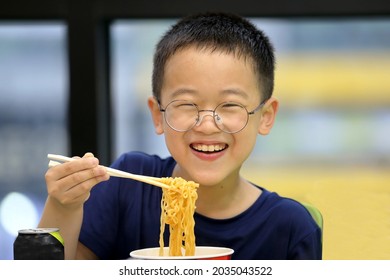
(274, 200)
(305, 235)
(289, 210)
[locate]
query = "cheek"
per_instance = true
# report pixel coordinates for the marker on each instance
(253, 127)
(247, 138)
(174, 141)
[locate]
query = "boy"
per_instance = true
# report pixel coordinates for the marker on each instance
(212, 95)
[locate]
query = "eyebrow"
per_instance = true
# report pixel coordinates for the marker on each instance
(235, 91)
(225, 92)
(181, 91)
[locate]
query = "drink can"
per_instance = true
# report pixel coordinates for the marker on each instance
(39, 244)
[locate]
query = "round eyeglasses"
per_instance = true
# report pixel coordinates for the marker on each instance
(230, 117)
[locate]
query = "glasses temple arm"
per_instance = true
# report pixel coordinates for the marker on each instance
(258, 107)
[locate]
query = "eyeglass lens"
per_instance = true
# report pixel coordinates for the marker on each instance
(183, 115)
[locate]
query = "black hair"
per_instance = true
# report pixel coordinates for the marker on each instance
(224, 32)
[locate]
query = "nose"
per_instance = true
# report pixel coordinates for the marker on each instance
(204, 113)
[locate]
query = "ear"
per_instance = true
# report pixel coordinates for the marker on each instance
(156, 115)
(268, 115)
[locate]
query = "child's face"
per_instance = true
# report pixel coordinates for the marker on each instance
(207, 79)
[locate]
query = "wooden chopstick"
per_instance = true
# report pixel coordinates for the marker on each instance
(58, 159)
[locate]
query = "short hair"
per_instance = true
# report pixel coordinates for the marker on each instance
(224, 32)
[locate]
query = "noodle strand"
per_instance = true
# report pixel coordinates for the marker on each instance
(177, 211)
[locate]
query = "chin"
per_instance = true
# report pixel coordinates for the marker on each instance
(207, 180)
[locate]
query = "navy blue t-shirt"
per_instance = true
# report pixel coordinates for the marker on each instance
(123, 215)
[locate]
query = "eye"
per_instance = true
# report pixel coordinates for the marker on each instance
(231, 106)
(227, 105)
(183, 105)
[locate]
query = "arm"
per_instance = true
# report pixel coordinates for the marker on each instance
(69, 186)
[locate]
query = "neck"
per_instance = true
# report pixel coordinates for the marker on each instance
(226, 199)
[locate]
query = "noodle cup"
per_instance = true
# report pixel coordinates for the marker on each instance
(201, 253)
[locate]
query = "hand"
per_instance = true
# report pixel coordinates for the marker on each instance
(70, 183)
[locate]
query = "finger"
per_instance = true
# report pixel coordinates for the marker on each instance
(68, 168)
(90, 177)
(88, 196)
(67, 194)
(74, 197)
(88, 155)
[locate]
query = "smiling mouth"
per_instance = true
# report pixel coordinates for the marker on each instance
(208, 148)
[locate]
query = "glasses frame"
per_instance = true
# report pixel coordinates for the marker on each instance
(199, 119)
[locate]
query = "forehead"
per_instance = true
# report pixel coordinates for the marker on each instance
(212, 50)
(207, 69)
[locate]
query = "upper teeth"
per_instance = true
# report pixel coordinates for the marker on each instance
(208, 148)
